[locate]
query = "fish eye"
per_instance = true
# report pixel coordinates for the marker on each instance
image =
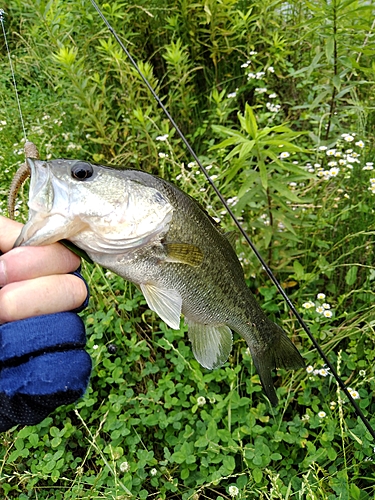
(82, 171)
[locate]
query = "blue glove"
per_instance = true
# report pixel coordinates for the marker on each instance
(43, 365)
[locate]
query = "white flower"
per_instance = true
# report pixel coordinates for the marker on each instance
(308, 305)
(95, 347)
(232, 201)
(326, 306)
(327, 314)
(231, 95)
(271, 69)
(306, 417)
(153, 472)
(321, 414)
(322, 148)
(260, 90)
(233, 491)
(334, 171)
(348, 138)
(124, 467)
(354, 394)
(331, 152)
(246, 64)
(250, 76)
(310, 369)
(323, 372)
(319, 309)
(362, 373)
(253, 53)
(274, 108)
(161, 137)
(284, 154)
(162, 155)
(321, 296)
(259, 75)
(201, 401)
(71, 145)
(368, 167)
(272, 96)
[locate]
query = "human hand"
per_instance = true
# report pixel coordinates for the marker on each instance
(35, 280)
(43, 363)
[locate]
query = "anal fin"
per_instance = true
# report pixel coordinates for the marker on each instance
(211, 344)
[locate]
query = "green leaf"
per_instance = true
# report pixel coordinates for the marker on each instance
(257, 475)
(298, 270)
(227, 131)
(336, 80)
(330, 45)
(250, 179)
(351, 276)
(55, 442)
(331, 453)
(33, 439)
(263, 174)
(248, 122)
(285, 191)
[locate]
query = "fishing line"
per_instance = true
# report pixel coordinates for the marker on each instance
(243, 232)
(2, 20)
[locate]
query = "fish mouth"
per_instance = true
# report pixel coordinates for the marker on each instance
(41, 227)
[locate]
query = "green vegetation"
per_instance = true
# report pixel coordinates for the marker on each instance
(277, 99)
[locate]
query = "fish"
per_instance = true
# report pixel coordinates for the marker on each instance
(146, 230)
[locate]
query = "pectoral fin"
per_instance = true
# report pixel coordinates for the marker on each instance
(184, 253)
(166, 303)
(211, 344)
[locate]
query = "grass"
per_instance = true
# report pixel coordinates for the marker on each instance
(153, 423)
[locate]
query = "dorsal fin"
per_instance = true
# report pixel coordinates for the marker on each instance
(231, 236)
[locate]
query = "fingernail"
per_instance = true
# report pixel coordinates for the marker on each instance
(3, 273)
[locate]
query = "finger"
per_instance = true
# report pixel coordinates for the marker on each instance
(9, 232)
(25, 263)
(46, 295)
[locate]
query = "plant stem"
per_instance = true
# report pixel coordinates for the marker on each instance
(332, 101)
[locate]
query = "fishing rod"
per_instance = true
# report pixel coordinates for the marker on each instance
(235, 220)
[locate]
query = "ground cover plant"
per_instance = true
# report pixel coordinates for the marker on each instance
(277, 100)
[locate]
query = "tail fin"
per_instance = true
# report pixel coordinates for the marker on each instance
(279, 353)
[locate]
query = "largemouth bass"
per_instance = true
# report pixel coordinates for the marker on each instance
(146, 230)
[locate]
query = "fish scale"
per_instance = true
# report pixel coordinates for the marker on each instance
(151, 233)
